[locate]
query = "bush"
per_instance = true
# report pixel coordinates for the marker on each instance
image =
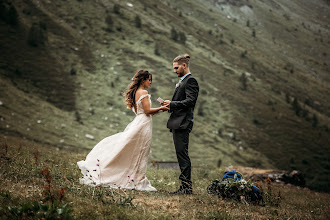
(182, 37)
(315, 121)
(138, 22)
(174, 34)
(296, 107)
(12, 16)
(37, 35)
(156, 51)
(116, 9)
(243, 54)
(243, 80)
(109, 22)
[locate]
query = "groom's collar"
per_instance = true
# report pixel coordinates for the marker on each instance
(182, 78)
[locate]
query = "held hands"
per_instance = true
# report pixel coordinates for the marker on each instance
(165, 105)
(164, 108)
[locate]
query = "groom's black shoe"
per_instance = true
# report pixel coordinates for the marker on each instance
(183, 190)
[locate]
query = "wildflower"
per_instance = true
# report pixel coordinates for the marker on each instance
(97, 164)
(132, 180)
(128, 176)
(94, 170)
(61, 193)
(98, 160)
(98, 185)
(87, 170)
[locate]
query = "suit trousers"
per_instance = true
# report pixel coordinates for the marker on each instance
(181, 142)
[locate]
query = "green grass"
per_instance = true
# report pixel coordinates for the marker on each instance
(253, 127)
(23, 185)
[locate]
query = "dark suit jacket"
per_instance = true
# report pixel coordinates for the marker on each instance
(183, 104)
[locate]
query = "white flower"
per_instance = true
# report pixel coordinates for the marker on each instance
(178, 84)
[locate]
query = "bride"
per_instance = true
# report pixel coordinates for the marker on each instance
(120, 160)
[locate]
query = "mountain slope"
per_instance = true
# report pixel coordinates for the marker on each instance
(262, 67)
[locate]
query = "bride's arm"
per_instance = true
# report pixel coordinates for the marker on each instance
(151, 111)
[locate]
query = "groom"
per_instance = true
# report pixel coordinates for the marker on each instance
(181, 120)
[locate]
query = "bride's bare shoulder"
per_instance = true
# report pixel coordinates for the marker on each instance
(139, 93)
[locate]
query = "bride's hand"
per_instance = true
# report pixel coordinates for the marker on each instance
(165, 108)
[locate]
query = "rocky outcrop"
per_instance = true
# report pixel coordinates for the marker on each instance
(293, 177)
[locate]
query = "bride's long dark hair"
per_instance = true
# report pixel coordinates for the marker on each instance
(139, 77)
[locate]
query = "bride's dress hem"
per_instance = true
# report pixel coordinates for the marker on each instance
(129, 186)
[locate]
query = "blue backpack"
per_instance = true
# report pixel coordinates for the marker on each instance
(232, 174)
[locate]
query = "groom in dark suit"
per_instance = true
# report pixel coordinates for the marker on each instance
(181, 120)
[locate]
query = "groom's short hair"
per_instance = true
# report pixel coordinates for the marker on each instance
(182, 59)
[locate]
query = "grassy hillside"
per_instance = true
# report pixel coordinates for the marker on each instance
(40, 182)
(262, 67)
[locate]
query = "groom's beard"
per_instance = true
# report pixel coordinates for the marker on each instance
(180, 74)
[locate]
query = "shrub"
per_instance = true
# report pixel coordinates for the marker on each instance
(37, 35)
(287, 98)
(243, 54)
(315, 121)
(174, 34)
(116, 9)
(296, 106)
(243, 80)
(138, 22)
(12, 16)
(109, 22)
(156, 51)
(3, 11)
(182, 37)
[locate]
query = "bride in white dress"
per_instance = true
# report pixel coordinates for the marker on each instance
(120, 160)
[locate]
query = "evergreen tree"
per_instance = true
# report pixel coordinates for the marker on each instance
(138, 22)
(12, 16)
(182, 37)
(174, 34)
(243, 79)
(109, 22)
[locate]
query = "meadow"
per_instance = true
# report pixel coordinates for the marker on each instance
(43, 183)
(262, 68)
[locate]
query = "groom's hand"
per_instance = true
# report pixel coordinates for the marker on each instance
(166, 102)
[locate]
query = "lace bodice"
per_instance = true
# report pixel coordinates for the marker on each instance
(139, 107)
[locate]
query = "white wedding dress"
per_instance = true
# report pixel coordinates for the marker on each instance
(121, 160)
